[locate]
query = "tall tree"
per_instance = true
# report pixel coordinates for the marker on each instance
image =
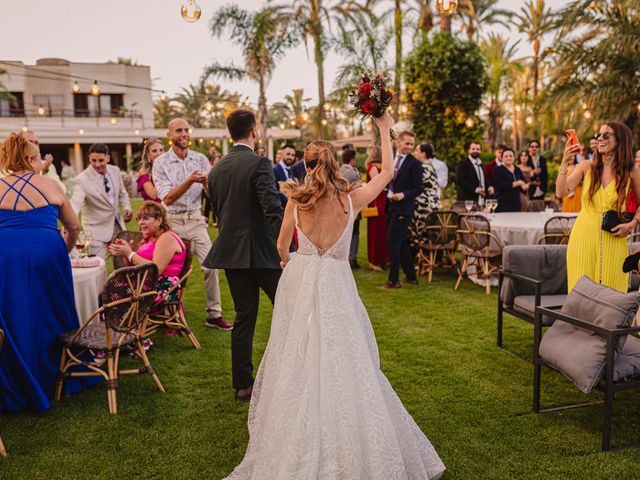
(163, 112)
(264, 36)
(501, 66)
(293, 107)
(600, 39)
(189, 104)
(475, 14)
(535, 19)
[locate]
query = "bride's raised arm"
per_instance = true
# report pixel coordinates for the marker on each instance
(361, 197)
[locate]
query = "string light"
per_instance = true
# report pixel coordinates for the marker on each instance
(41, 110)
(163, 96)
(95, 89)
(529, 120)
(305, 117)
(518, 108)
(25, 128)
(208, 106)
(75, 88)
(113, 121)
(292, 123)
(469, 122)
(136, 132)
(588, 114)
(446, 7)
(404, 109)
(324, 122)
(81, 131)
(282, 125)
(190, 11)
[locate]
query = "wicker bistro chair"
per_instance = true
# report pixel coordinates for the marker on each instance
(541, 205)
(479, 247)
(3, 451)
(128, 236)
(126, 298)
(439, 235)
(531, 276)
(557, 230)
(171, 314)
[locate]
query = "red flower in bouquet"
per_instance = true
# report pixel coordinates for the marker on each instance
(371, 97)
(365, 89)
(369, 106)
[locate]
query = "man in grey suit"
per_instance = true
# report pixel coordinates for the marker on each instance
(243, 195)
(98, 195)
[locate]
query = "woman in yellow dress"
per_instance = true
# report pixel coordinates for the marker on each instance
(572, 203)
(606, 182)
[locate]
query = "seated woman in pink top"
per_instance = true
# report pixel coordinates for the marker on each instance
(159, 245)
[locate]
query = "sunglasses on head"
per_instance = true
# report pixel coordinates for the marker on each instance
(603, 136)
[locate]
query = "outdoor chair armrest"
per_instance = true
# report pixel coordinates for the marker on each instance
(518, 276)
(552, 312)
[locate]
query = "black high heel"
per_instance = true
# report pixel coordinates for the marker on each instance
(631, 262)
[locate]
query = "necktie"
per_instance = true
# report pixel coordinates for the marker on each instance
(106, 184)
(396, 167)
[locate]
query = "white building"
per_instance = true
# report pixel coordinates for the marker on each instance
(54, 98)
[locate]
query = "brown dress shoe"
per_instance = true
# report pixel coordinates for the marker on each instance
(389, 285)
(244, 394)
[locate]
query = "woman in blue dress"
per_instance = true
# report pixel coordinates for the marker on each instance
(509, 183)
(36, 286)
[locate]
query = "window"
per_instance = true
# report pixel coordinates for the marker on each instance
(106, 105)
(12, 106)
(53, 104)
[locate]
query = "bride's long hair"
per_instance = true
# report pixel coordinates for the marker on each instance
(323, 178)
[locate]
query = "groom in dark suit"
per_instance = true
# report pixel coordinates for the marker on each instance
(405, 186)
(243, 196)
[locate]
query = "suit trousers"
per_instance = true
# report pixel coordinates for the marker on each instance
(99, 248)
(245, 285)
(193, 227)
(355, 240)
(399, 250)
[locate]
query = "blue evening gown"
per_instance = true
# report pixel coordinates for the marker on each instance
(36, 304)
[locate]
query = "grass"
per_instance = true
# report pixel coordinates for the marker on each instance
(437, 348)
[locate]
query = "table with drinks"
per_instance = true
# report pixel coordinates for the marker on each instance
(89, 276)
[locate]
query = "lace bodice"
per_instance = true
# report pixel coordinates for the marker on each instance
(338, 251)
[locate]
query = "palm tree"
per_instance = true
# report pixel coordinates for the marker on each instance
(501, 68)
(420, 15)
(315, 18)
(475, 14)
(535, 19)
(598, 60)
(264, 36)
(163, 112)
(189, 104)
(293, 107)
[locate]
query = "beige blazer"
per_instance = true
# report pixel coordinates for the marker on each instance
(90, 200)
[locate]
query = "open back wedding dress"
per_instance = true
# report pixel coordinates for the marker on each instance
(321, 408)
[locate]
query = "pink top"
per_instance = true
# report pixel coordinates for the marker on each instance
(175, 264)
(142, 179)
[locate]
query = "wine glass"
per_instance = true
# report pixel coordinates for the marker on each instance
(81, 241)
(493, 204)
(87, 240)
(468, 204)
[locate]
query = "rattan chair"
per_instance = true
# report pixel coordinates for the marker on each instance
(133, 238)
(126, 298)
(438, 236)
(557, 230)
(541, 205)
(3, 451)
(171, 314)
(459, 207)
(479, 247)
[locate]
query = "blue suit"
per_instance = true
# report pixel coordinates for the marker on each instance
(281, 176)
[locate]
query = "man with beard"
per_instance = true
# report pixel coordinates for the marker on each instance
(180, 175)
(282, 170)
(470, 179)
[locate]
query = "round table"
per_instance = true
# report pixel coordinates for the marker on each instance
(87, 285)
(521, 228)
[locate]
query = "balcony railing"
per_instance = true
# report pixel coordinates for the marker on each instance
(69, 113)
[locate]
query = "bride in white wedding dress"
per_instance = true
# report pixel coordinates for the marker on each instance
(321, 407)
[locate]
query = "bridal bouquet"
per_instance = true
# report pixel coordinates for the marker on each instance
(371, 97)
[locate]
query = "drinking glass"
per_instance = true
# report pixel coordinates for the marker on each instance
(87, 242)
(81, 241)
(468, 204)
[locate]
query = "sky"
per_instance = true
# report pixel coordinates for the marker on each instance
(153, 33)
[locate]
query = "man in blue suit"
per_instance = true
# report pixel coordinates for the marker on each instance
(539, 172)
(282, 170)
(403, 189)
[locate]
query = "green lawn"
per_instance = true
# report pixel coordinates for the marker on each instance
(437, 348)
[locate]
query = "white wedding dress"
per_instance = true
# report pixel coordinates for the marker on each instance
(321, 408)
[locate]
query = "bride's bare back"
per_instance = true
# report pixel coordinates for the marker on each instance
(324, 224)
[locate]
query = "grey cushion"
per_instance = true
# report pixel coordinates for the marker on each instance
(525, 304)
(577, 353)
(628, 362)
(546, 263)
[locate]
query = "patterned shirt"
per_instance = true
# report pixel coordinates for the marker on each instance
(169, 171)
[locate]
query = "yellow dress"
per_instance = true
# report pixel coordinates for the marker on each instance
(589, 244)
(574, 203)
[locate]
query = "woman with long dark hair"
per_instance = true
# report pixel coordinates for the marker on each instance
(607, 180)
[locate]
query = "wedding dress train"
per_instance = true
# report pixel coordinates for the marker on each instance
(321, 408)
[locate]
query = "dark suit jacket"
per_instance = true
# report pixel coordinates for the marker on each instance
(244, 198)
(407, 181)
(543, 178)
(281, 176)
(467, 181)
(299, 171)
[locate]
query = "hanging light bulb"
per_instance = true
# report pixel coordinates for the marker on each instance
(446, 7)
(95, 89)
(41, 110)
(282, 125)
(518, 108)
(529, 120)
(190, 11)
(588, 114)
(292, 123)
(305, 117)
(324, 122)
(247, 103)
(404, 109)
(163, 96)
(81, 131)
(75, 88)
(136, 132)
(326, 107)
(585, 106)
(25, 128)
(113, 121)
(469, 122)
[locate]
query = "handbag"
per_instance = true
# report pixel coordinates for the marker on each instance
(370, 212)
(611, 219)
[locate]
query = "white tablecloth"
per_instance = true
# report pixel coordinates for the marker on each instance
(521, 228)
(87, 285)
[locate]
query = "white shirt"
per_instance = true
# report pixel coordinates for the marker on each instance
(287, 172)
(111, 194)
(442, 172)
(477, 164)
